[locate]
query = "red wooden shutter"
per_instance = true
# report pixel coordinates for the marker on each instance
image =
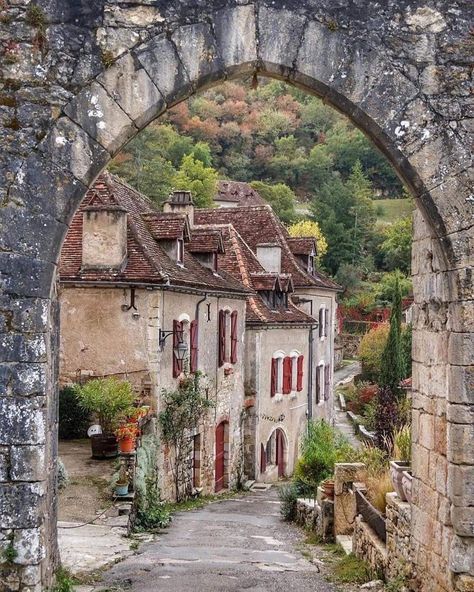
(318, 385)
(222, 353)
(321, 322)
(193, 338)
(287, 375)
(273, 381)
(299, 376)
(233, 337)
(177, 336)
(326, 382)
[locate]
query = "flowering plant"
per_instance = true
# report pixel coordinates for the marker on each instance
(127, 430)
(138, 413)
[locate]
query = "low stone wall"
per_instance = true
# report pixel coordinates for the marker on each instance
(317, 517)
(350, 345)
(398, 539)
(367, 546)
(393, 559)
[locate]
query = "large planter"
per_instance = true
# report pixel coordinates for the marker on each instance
(407, 481)
(104, 446)
(396, 473)
(127, 445)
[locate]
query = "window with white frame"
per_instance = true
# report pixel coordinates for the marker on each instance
(294, 370)
(277, 373)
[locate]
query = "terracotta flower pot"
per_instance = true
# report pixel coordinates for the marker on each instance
(328, 488)
(127, 445)
(396, 473)
(407, 482)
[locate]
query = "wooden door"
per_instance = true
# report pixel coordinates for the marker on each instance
(220, 455)
(280, 453)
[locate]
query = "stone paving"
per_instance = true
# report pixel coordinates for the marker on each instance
(229, 546)
(341, 421)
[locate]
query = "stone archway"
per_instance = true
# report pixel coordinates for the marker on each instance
(400, 72)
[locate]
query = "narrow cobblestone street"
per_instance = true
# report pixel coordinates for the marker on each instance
(237, 544)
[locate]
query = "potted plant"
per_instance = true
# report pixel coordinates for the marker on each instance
(138, 413)
(126, 436)
(328, 488)
(121, 486)
(401, 452)
(107, 399)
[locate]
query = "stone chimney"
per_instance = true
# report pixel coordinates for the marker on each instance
(180, 202)
(269, 256)
(104, 236)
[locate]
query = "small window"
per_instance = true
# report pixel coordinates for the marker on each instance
(320, 383)
(214, 262)
(180, 251)
(277, 374)
(311, 264)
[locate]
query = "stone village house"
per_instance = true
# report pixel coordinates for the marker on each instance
(129, 272)
(290, 325)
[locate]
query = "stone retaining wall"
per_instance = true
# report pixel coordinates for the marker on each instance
(399, 549)
(317, 517)
(367, 546)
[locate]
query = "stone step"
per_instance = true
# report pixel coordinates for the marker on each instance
(345, 540)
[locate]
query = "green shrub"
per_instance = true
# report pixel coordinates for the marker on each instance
(73, 418)
(370, 352)
(402, 443)
(288, 495)
(322, 447)
(351, 570)
(64, 581)
(108, 399)
(405, 344)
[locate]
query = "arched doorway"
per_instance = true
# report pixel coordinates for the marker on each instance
(397, 98)
(221, 456)
(280, 452)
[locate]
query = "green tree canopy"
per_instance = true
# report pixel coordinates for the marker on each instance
(201, 180)
(280, 197)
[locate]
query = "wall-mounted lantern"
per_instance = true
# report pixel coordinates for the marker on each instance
(180, 349)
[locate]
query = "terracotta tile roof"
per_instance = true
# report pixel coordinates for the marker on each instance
(167, 226)
(302, 245)
(237, 191)
(206, 240)
(239, 261)
(258, 224)
(272, 281)
(146, 261)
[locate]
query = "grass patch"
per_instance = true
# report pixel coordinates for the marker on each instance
(390, 210)
(65, 582)
(351, 570)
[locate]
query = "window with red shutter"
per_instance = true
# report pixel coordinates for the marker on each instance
(193, 338)
(222, 323)
(326, 382)
(233, 337)
(318, 385)
(273, 379)
(321, 322)
(299, 379)
(287, 375)
(177, 338)
(326, 321)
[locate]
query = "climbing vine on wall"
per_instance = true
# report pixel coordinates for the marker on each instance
(183, 410)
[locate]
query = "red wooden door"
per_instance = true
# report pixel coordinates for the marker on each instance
(280, 453)
(220, 460)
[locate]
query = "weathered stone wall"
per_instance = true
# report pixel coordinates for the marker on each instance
(78, 79)
(399, 550)
(350, 345)
(367, 546)
(316, 516)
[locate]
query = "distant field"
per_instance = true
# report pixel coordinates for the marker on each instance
(389, 210)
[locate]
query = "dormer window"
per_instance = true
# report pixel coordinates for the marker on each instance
(311, 263)
(180, 251)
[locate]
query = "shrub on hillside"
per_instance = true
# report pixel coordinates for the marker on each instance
(370, 352)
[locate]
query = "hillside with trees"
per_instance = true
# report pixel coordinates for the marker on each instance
(305, 159)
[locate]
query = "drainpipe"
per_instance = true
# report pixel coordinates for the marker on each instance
(310, 359)
(196, 316)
